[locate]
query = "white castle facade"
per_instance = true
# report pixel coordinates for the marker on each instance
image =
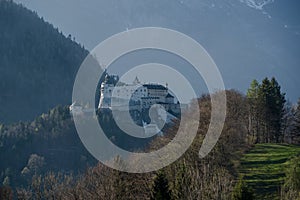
(136, 96)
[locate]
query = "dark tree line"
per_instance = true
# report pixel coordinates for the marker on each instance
(266, 111)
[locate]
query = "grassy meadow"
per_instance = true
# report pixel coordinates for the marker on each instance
(263, 168)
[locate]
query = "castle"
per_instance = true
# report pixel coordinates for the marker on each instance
(135, 96)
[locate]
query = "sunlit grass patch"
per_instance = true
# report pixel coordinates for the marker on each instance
(263, 168)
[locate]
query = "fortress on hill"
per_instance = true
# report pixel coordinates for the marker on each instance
(138, 99)
(135, 96)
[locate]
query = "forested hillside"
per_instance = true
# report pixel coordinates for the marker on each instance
(48, 143)
(187, 178)
(41, 155)
(38, 64)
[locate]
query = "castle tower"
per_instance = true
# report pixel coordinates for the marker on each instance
(136, 81)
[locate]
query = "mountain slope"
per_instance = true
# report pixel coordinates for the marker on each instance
(257, 4)
(38, 64)
(247, 38)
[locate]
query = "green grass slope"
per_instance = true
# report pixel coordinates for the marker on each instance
(263, 168)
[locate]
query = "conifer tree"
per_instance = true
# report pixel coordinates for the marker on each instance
(161, 189)
(242, 191)
(252, 96)
(276, 110)
(266, 110)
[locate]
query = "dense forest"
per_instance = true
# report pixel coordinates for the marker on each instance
(38, 64)
(48, 143)
(271, 118)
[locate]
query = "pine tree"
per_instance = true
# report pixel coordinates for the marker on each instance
(161, 189)
(242, 191)
(252, 96)
(276, 107)
(266, 110)
(264, 92)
